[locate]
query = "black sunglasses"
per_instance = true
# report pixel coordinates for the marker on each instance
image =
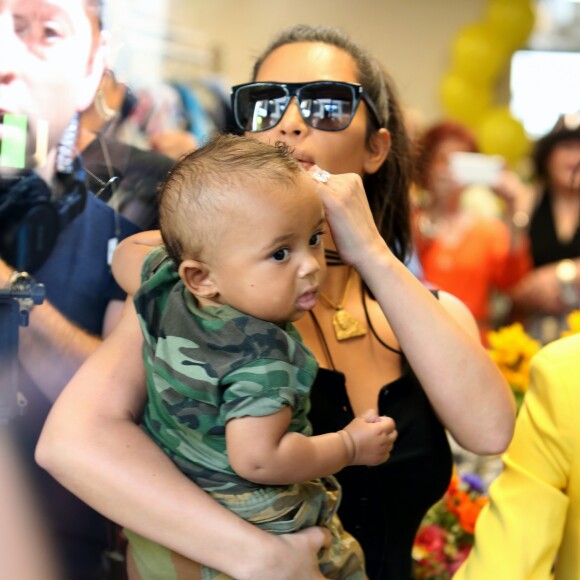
(324, 105)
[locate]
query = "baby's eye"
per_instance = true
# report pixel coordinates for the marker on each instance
(315, 239)
(281, 255)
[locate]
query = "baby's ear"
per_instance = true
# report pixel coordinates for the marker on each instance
(197, 278)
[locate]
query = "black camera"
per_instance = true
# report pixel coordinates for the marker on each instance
(31, 220)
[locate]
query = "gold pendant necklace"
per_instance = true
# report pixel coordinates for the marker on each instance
(344, 323)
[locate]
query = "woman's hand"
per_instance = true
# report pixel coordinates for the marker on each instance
(293, 556)
(540, 290)
(518, 196)
(349, 216)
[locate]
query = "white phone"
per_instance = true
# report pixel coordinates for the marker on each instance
(476, 168)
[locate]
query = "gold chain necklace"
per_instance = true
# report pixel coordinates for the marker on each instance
(344, 323)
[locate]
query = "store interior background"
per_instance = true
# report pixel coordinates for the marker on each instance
(184, 40)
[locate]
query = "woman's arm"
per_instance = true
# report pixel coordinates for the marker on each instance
(262, 450)
(463, 384)
(519, 199)
(92, 444)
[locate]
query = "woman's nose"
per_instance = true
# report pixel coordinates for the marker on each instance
(292, 122)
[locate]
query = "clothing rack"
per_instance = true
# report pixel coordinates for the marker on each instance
(187, 54)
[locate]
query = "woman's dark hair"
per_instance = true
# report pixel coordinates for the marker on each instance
(388, 188)
(430, 140)
(567, 128)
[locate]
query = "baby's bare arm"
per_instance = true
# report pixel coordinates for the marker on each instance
(129, 257)
(262, 450)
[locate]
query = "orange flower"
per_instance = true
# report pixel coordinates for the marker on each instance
(446, 534)
(453, 484)
(467, 513)
(456, 500)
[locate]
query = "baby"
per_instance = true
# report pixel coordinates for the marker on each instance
(228, 376)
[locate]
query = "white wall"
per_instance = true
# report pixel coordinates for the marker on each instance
(411, 37)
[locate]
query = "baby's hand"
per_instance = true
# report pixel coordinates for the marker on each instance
(372, 438)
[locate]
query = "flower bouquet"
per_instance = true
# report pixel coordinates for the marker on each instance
(445, 536)
(512, 350)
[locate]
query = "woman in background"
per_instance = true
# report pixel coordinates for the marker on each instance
(548, 293)
(467, 252)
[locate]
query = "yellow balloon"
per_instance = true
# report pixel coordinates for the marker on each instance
(463, 100)
(477, 54)
(499, 133)
(511, 21)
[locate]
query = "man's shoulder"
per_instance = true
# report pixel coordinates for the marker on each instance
(97, 209)
(106, 157)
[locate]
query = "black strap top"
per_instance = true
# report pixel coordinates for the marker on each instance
(545, 244)
(383, 506)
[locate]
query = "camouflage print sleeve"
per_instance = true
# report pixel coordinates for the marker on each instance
(265, 387)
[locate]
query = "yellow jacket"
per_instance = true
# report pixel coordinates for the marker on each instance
(533, 518)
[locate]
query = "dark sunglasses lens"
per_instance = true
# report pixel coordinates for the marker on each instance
(327, 107)
(260, 107)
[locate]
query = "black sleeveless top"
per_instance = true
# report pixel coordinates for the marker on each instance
(545, 246)
(383, 506)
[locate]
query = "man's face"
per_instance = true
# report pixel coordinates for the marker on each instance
(563, 165)
(47, 70)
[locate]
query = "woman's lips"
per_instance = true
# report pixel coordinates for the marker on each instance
(303, 158)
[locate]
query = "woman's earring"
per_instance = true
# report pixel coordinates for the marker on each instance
(101, 107)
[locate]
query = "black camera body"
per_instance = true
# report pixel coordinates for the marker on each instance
(31, 219)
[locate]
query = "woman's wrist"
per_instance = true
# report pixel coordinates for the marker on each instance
(377, 257)
(280, 557)
(567, 276)
(254, 563)
(518, 223)
(520, 220)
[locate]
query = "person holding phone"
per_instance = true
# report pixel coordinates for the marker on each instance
(466, 252)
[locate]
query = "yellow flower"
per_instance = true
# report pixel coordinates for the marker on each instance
(573, 321)
(511, 349)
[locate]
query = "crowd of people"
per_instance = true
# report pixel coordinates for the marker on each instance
(264, 387)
